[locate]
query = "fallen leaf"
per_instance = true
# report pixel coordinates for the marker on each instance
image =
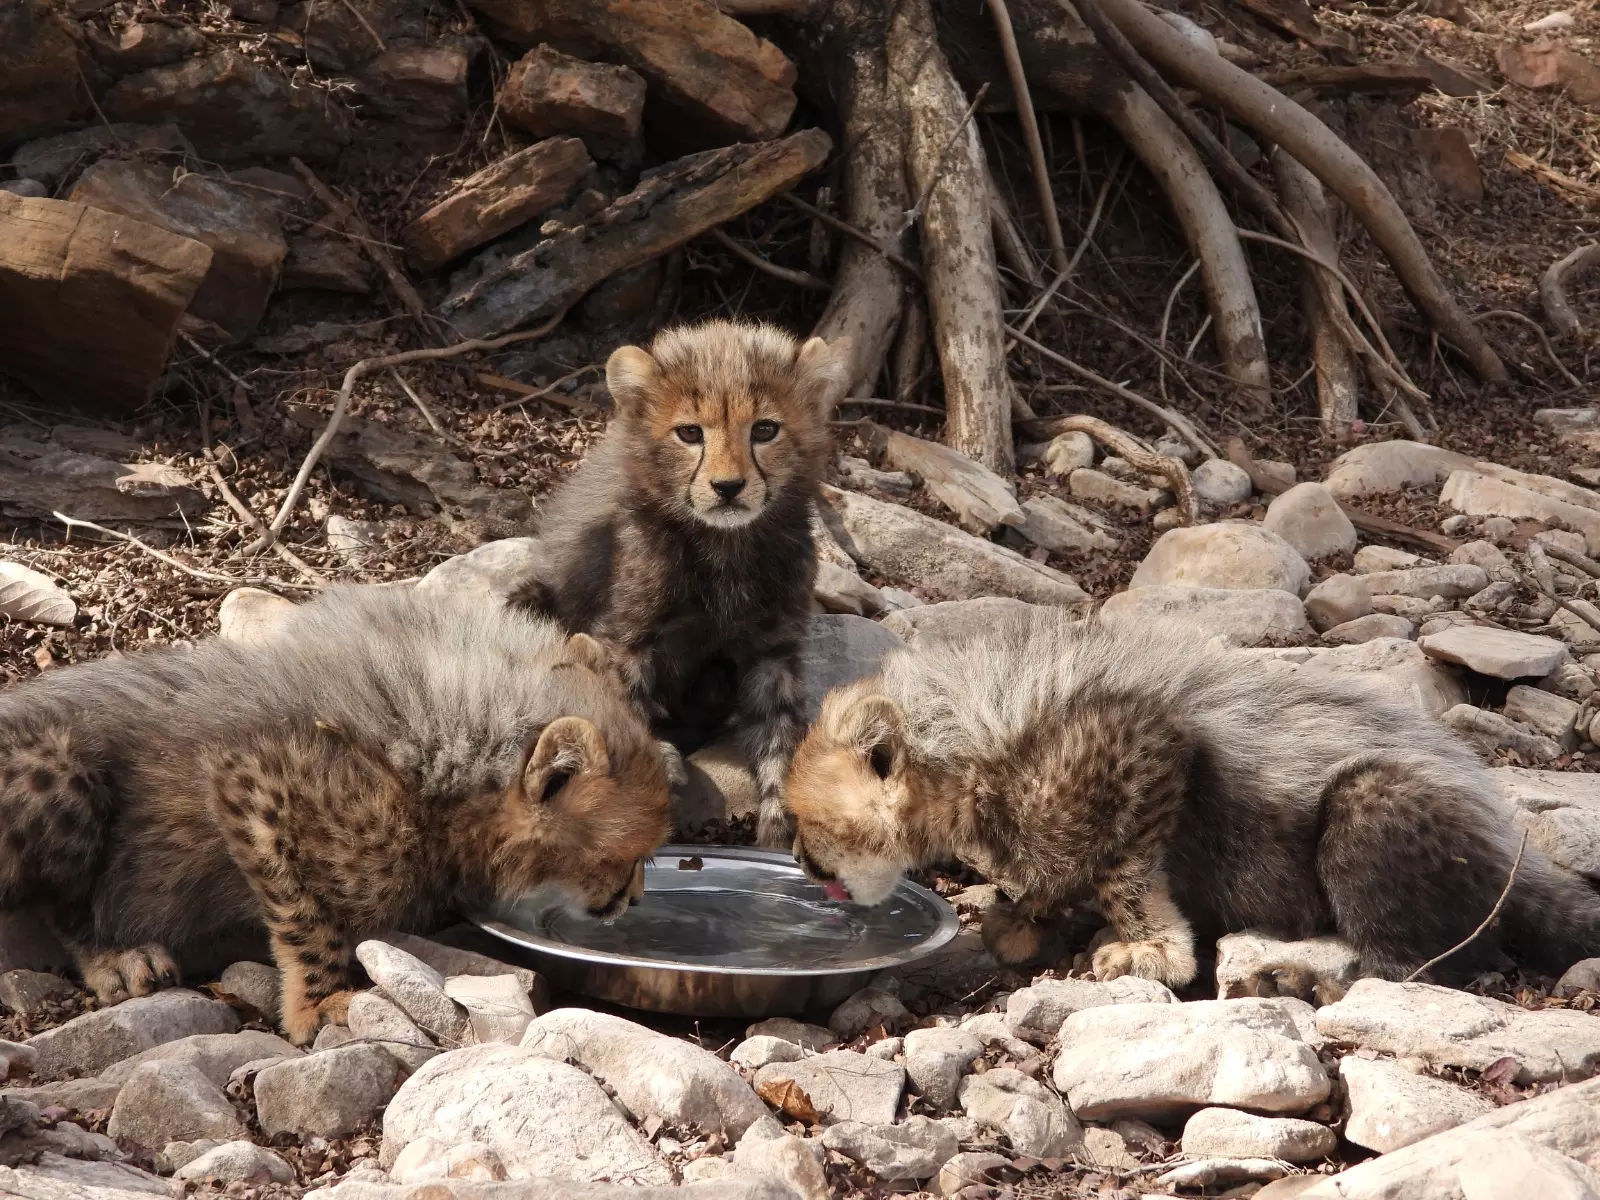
(26, 595)
(691, 864)
(789, 1098)
(1502, 1070)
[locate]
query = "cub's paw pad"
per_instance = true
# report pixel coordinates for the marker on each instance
(335, 1010)
(115, 975)
(1011, 937)
(1288, 980)
(1145, 960)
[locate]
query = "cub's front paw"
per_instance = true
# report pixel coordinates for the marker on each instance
(1011, 937)
(115, 975)
(302, 1016)
(1289, 979)
(1164, 962)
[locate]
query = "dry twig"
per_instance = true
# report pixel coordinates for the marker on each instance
(1029, 120)
(803, 279)
(1544, 339)
(254, 523)
(1494, 912)
(1553, 292)
(193, 572)
(850, 230)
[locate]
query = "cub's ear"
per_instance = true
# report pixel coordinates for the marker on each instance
(569, 746)
(822, 369)
(629, 375)
(875, 726)
(583, 651)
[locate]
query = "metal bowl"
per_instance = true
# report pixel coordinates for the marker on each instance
(725, 932)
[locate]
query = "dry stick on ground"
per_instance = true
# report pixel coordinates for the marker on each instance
(1494, 912)
(1544, 339)
(1143, 459)
(253, 522)
(357, 370)
(803, 279)
(1029, 120)
(1585, 564)
(871, 402)
(1359, 517)
(1560, 601)
(527, 394)
(192, 572)
(1078, 252)
(850, 230)
(1553, 290)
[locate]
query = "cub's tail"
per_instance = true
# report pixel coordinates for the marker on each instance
(1552, 917)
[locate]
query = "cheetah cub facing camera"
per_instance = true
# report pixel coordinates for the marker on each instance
(683, 542)
(1186, 792)
(383, 760)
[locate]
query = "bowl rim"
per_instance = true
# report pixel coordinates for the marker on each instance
(949, 925)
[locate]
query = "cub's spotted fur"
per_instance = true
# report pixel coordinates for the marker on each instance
(383, 760)
(683, 542)
(1188, 793)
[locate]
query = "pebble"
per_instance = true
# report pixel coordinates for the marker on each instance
(653, 1074)
(1338, 600)
(1243, 618)
(1035, 1013)
(416, 987)
(237, 1162)
(867, 1009)
(1392, 1107)
(329, 1094)
(1226, 554)
(843, 1085)
(498, 1007)
(1384, 558)
(1229, 1133)
(1031, 1116)
(807, 1037)
(1369, 627)
(754, 1053)
(380, 1021)
(165, 1102)
(1450, 1028)
(936, 1059)
(88, 1044)
(258, 985)
(969, 1169)
(1219, 482)
(1068, 452)
(1309, 518)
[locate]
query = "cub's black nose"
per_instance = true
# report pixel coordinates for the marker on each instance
(727, 488)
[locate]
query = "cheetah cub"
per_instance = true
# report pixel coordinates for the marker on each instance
(683, 542)
(1187, 792)
(383, 760)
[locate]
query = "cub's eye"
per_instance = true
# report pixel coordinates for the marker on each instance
(690, 435)
(553, 785)
(764, 431)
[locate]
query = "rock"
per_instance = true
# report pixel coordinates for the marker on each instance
(839, 650)
(328, 1094)
(1468, 491)
(1450, 1028)
(325, 264)
(233, 109)
(990, 1028)
(29, 992)
(754, 1053)
(1219, 482)
(841, 1084)
(1229, 1133)
(978, 497)
(52, 159)
(792, 1163)
(721, 785)
(1034, 1119)
(498, 1007)
(1088, 484)
(1339, 600)
(381, 1022)
(954, 620)
(1493, 732)
(953, 565)
(1384, 558)
(1543, 712)
(1546, 65)
(1245, 961)
(426, 1159)
(1163, 1060)
(860, 475)
(1365, 629)
(1035, 1013)
(807, 1037)
(1451, 164)
(1390, 467)
(1310, 519)
(251, 616)
(1217, 1172)
(967, 1170)
(93, 298)
(1481, 554)
(238, 1162)
(165, 1102)
(492, 571)
(542, 1117)
(88, 1044)
(1453, 581)
(1572, 680)
(416, 987)
(30, 188)
(1561, 1125)
(423, 86)
(53, 1177)
(548, 93)
(503, 196)
(258, 985)
(890, 1049)
(1050, 523)
(1398, 668)
(719, 1184)
(1580, 977)
(1502, 653)
(936, 1059)
(869, 1007)
(42, 84)
(215, 1055)
(711, 81)
(1392, 1107)
(1244, 618)
(654, 1075)
(1068, 452)
(1561, 810)
(1227, 554)
(914, 1150)
(140, 45)
(842, 590)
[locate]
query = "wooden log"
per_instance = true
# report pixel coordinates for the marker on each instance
(979, 498)
(672, 204)
(1378, 79)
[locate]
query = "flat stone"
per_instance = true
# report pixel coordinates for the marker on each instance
(1032, 1117)
(252, 616)
(1068, 452)
(978, 497)
(1369, 559)
(543, 1117)
(1051, 523)
(237, 1162)
(1502, 653)
(1398, 668)
(1309, 518)
(1561, 810)
(1338, 600)
(754, 1053)
(1390, 467)
(842, 590)
(1453, 581)
(215, 1055)
(27, 992)
(491, 572)
(416, 987)
(1475, 494)
(1099, 488)
(1449, 1028)
(838, 650)
(88, 1044)
(956, 620)
(882, 1150)
(1219, 482)
(1544, 712)
(1229, 1133)
(1243, 618)
(380, 1021)
(548, 93)
(1369, 627)
(967, 1170)
(1392, 1107)
(325, 264)
(793, 1163)
(1245, 959)
(843, 1085)
(1165, 1060)
(1494, 732)
(1035, 1013)
(654, 1075)
(498, 1007)
(936, 1059)
(51, 159)
(450, 960)
(770, 1186)
(869, 1007)
(1227, 554)
(1219, 1172)
(165, 1102)
(807, 1037)
(258, 985)
(328, 1094)
(53, 1177)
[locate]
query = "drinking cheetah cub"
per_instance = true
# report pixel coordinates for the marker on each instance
(683, 542)
(383, 760)
(1188, 792)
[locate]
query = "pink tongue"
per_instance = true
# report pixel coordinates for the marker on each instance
(835, 890)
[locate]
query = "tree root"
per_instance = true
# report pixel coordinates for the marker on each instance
(1553, 283)
(1143, 459)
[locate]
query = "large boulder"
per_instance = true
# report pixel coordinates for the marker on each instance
(1390, 467)
(1242, 618)
(41, 79)
(1226, 554)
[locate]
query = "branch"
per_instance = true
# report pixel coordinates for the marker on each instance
(1552, 287)
(915, 211)
(192, 572)
(1544, 338)
(803, 279)
(1143, 458)
(1029, 120)
(850, 230)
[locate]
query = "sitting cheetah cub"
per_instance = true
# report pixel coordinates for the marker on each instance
(1188, 792)
(683, 542)
(383, 760)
